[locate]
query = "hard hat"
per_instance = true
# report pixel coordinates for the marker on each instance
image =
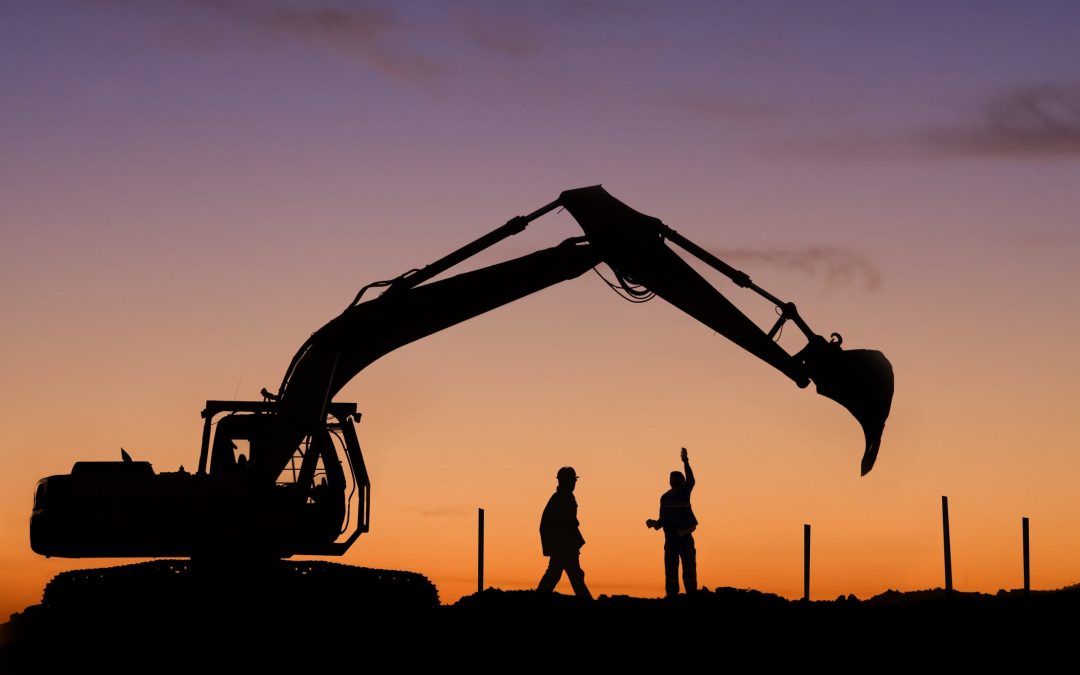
(566, 473)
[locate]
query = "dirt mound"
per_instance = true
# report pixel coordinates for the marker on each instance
(164, 620)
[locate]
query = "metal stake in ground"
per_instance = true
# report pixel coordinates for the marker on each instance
(806, 563)
(1027, 561)
(480, 552)
(948, 546)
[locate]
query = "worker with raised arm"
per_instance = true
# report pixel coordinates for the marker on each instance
(678, 522)
(561, 537)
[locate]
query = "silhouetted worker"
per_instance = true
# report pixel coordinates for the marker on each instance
(678, 522)
(561, 537)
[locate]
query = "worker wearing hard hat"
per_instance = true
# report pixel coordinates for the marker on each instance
(561, 537)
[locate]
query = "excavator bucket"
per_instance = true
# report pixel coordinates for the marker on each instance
(861, 380)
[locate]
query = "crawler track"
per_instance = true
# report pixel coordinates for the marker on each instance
(184, 585)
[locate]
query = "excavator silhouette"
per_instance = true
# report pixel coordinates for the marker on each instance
(285, 476)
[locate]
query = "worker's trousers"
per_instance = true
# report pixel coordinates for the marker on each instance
(571, 564)
(676, 548)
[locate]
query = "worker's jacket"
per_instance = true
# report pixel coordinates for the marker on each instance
(676, 515)
(559, 533)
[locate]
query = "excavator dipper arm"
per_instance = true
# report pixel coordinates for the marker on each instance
(633, 245)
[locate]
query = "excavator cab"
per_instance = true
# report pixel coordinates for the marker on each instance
(236, 504)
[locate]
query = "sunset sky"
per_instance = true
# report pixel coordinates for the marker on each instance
(189, 188)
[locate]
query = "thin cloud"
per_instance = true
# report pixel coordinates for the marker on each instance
(361, 31)
(393, 44)
(1035, 121)
(1030, 122)
(837, 266)
(499, 34)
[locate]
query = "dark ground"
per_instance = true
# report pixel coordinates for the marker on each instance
(277, 624)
